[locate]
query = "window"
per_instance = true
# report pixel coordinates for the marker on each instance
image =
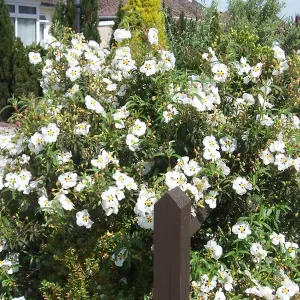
(28, 24)
(11, 8)
(29, 10)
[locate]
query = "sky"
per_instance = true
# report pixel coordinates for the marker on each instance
(291, 8)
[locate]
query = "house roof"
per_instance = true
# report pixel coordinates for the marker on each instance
(109, 8)
(191, 8)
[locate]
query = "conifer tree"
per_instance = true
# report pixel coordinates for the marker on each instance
(64, 16)
(90, 19)
(6, 43)
(23, 82)
(139, 16)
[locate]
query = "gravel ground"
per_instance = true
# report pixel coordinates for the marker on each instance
(7, 128)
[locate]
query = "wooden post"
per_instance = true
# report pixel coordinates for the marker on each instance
(172, 218)
(173, 227)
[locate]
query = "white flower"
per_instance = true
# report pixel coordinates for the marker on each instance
(211, 56)
(149, 67)
(12, 180)
(132, 142)
(126, 64)
(153, 36)
(226, 279)
(102, 161)
(243, 66)
(83, 219)
(191, 168)
(222, 167)
(170, 113)
(241, 185)
(37, 142)
(296, 163)
(174, 179)
(278, 53)
(282, 162)
(211, 199)
(82, 128)
(11, 263)
(265, 120)
(145, 202)
(296, 122)
(287, 290)
(146, 221)
(63, 157)
(120, 258)
(277, 238)
(220, 71)
(3, 244)
(44, 202)
(65, 202)
(214, 250)
(139, 128)
(207, 284)
(220, 295)
(50, 133)
(67, 180)
(167, 61)
(280, 68)
(73, 73)
(86, 181)
(94, 105)
(122, 180)
(291, 248)
(210, 142)
(261, 291)
(277, 146)
(122, 52)
(211, 154)
(242, 229)
(228, 144)
(34, 57)
(72, 91)
(121, 34)
(19, 298)
(256, 71)
(258, 252)
(267, 157)
(110, 200)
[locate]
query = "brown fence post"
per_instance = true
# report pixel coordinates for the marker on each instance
(173, 227)
(172, 218)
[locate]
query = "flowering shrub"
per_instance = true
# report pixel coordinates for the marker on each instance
(80, 178)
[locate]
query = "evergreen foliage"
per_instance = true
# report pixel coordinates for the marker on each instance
(190, 38)
(261, 16)
(138, 17)
(24, 81)
(6, 44)
(64, 16)
(90, 19)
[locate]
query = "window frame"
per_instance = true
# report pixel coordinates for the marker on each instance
(18, 15)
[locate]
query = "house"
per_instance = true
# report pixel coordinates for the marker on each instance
(32, 18)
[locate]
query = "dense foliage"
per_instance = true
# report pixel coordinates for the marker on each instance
(24, 81)
(90, 19)
(112, 134)
(6, 44)
(65, 17)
